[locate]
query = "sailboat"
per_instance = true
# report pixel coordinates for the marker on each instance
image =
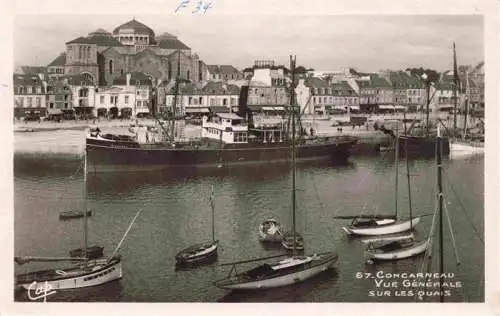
(202, 252)
(292, 269)
(463, 147)
(383, 225)
(406, 246)
(84, 274)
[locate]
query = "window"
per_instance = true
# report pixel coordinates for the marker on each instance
(30, 102)
(38, 101)
(190, 100)
(21, 90)
(224, 101)
(101, 99)
(28, 90)
(201, 101)
(233, 101)
(21, 102)
(188, 75)
(126, 99)
(110, 67)
(138, 104)
(51, 105)
(83, 93)
(212, 102)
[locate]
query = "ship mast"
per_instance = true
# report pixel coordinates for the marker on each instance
(176, 97)
(292, 105)
(455, 87)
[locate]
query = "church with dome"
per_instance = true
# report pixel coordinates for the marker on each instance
(102, 57)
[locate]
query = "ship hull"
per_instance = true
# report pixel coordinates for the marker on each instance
(106, 156)
(422, 146)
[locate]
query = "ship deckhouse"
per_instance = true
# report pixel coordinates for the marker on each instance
(226, 127)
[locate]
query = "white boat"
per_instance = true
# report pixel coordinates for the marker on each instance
(202, 252)
(284, 272)
(293, 269)
(270, 231)
(397, 249)
(379, 225)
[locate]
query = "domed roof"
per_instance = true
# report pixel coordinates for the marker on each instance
(165, 36)
(137, 27)
(100, 32)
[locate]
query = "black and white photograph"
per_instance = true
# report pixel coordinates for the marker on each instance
(198, 153)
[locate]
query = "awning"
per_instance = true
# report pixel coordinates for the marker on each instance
(267, 108)
(54, 111)
(386, 107)
(279, 108)
(196, 110)
(354, 107)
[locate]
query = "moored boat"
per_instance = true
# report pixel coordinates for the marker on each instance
(270, 231)
(74, 214)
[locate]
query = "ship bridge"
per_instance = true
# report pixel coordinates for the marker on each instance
(226, 127)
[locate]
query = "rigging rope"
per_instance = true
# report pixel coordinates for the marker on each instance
(463, 210)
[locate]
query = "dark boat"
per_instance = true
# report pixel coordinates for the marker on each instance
(74, 214)
(423, 146)
(197, 254)
(93, 252)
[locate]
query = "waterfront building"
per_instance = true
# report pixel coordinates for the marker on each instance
(408, 91)
(267, 90)
(141, 85)
(194, 100)
(329, 98)
(103, 56)
(115, 101)
(30, 95)
(223, 73)
(83, 91)
(55, 69)
(375, 93)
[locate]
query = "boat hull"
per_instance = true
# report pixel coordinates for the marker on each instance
(109, 156)
(326, 261)
(77, 278)
(399, 254)
(422, 146)
(206, 256)
(382, 230)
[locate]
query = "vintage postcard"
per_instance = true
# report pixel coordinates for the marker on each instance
(208, 151)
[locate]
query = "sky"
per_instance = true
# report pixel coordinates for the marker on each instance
(321, 42)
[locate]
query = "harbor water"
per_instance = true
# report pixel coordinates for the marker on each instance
(176, 213)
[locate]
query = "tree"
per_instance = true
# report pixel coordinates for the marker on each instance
(432, 75)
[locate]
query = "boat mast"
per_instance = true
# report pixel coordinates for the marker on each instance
(174, 106)
(212, 206)
(85, 241)
(409, 186)
(427, 103)
(467, 96)
(455, 87)
(292, 104)
(440, 196)
(396, 163)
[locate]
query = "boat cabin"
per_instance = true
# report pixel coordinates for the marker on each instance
(226, 127)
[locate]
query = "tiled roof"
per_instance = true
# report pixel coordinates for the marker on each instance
(30, 70)
(104, 40)
(374, 82)
(77, 79)
(137, 27)
(26, 80)
(222, 69)
(59, 61)
(172, 43)
(314, 82)
(218, 88)
(80, 40)
(143, 79)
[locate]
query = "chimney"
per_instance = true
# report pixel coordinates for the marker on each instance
(128, 79)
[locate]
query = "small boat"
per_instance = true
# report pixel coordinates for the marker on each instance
(396, 249)
(288, 241)
(74, 214)
(205, 252)
(199, 253)
(284, 272)
(270, 231)
(93, 252)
